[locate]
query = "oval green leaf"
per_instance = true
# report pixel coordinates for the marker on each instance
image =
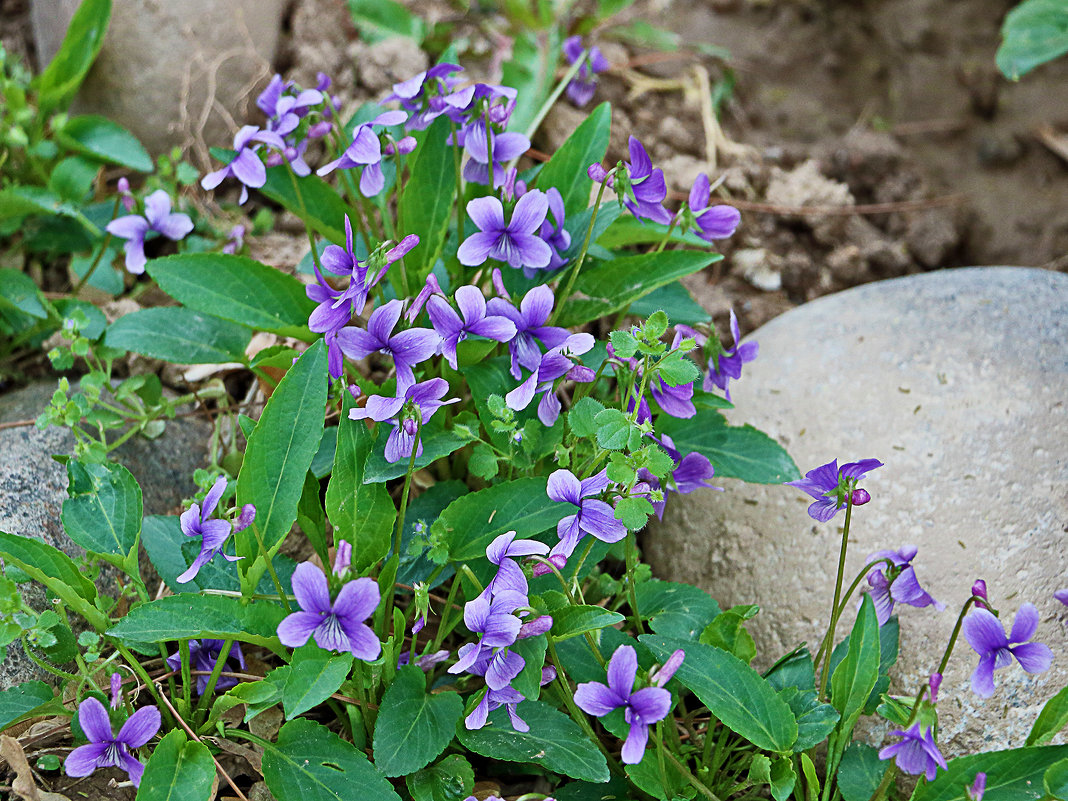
(180, 335)
(100, 138)
(413, 726)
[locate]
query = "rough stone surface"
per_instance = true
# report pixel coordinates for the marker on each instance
(33, 486)
(172, 73)
(958, 381)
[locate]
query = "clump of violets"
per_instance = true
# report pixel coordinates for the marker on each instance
(916, 752)
(986, 636)
(710, 222)
(336, 626)
(897, 583)
(641, 187)
(366, 151)
(582, 87)
(833, 487)
(473, 318)
(158, 218)
(641, 708)
(107, 749)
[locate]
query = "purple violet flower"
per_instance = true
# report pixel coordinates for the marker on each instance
(454, 330)
(664, 673)
(979, 591)
(1062, 596)
(492, 615)
(554, 365)
(423, 95)
(158, 218)
(727, 364)
(406, 413)
(510, 575)
(475, 102)
(338, 626)
(125, 195)
(978, 788)
(583, 85)
(366, 151)
(711, 222)
(593, 516)
(647, 185)
(530, 324)
(407, 348)
(554, 234)
(246, 166)
(515, 242)
(106, 749)
(829, 485)
(986, 635)
(203, 654)
(916, 753)
(897, 585)
(505, 147)
(235, 240)
(507, 696)
(691, 472)
(214, 533)
(642, 708)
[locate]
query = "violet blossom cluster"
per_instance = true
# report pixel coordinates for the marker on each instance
(581, 88)
(496, 616)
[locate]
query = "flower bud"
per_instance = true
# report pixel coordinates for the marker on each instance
(860, 497)
(116, 690)
(342, 557)
(662, 675)
(597, 173)
(975, 792)
(274, 159)
(244, 520)
(935, 682)
(979, 591)
(535, 627)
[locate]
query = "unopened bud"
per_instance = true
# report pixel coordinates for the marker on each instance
(116, 690)
(860, 497)
(935, 682)
(342, 557)
(979, 591)
(535, 627)
(597, 173)
(662, 675)
(244, 520)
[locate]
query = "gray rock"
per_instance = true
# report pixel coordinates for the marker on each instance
(33, 486)
(166, 69)
(958, 381)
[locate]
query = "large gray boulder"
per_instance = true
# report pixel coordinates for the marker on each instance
(33, 486)
(958, 382)
(172, 73)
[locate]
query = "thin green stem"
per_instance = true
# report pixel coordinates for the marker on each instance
(304, 215)
(667, 236)
(884, 785)
(216, 671)
(837, 594)
(187, 679)
(631, 552)
(539, 117)
(563, 296)
(92, 267)
(46, 666)
(446, 613)
(135, 666)
(398, 533)
(270, 567)
(459, 186)
(845, 599)
(489, 147)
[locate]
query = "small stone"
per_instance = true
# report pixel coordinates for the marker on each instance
(758, 267)
(933, 237)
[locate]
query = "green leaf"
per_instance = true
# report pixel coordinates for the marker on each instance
(237, 289)
(427, 200)
(381, 19)
(779, 775)
(570, 621)
(18, 291)
(1034, 32)
(1013, 775)
(21, 700)
(554, 742)
(852, 681)
(103, 512)
(728, 632)
(735, 452)
(1051, 720)
(676, 300)
(532, 649)
(315, 675)
(18, 201)
(613, 429)
(473, 520)
(322, 209)
(57, 571)
(483, 461)
(614, 285)
(675, 610)
(1055, 780)
(179, 335)
(735, 693)
(311, 763)
(362, 514)
(66, 71)
(281, 450)
(452, 779)
(566, 170)
(72, 179)
(581, 417)
(860, 772)
(815, 720)
(100, 138)
(630, 230)
(178, 770)
(413, 726)
(187, 616)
